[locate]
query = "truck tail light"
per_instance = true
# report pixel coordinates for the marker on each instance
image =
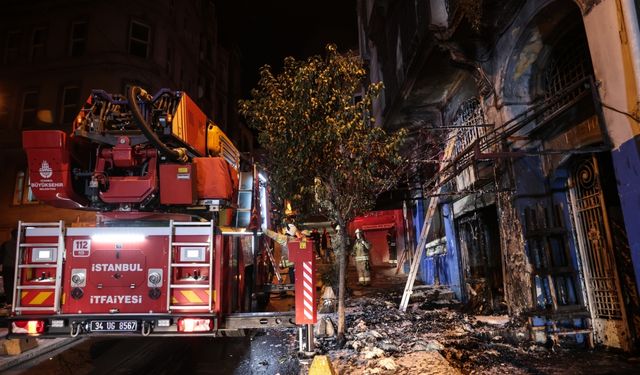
(27, 326)
(195, 325)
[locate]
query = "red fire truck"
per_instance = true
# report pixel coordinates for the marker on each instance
(176, 248)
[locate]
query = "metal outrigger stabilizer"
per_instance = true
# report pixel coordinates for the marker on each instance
(306, 346)
(301, 253)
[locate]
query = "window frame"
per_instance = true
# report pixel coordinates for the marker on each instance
(22, 193)
(41, 46)
(6, 56)
(73, 40)
(5, 110)
(69, 106)
(131, 39)
(23, 110)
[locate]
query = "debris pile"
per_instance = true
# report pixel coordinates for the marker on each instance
(380, 337)
(435, 336)
(383, 340)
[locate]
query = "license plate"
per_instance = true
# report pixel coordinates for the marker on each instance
(114, 325)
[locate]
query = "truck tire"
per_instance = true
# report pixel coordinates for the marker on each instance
(262, 300)
(247, 297)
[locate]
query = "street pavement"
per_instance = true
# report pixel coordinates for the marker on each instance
(45, 348)
(263, 352)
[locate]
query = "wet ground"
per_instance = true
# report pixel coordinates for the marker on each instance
(265, 352)
(260, 352)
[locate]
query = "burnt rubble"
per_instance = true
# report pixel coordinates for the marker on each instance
(435, 336)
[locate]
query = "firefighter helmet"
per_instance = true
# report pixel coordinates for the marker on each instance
(291, 230)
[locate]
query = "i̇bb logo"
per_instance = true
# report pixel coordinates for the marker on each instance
(45, 170)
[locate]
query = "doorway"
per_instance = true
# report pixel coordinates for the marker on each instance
(482, 260)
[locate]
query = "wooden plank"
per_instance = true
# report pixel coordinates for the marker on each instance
(18, 346)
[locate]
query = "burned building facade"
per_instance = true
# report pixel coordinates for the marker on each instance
(531, 112)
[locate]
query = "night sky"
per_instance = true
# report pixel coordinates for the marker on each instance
(268, 31)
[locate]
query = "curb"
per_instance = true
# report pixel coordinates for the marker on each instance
(321, 365)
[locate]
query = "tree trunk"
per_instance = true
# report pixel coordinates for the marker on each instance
(342, 277)
(323, 192)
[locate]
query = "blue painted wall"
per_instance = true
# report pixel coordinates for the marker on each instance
(446, 266)
(451, 269)
(626, 162)
(418, 220)
(533, 188)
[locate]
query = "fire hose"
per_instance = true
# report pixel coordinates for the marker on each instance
(174, 154)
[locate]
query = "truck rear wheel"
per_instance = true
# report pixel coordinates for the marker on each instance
(247, 293)
(262, 300)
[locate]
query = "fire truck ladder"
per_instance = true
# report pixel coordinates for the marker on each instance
(53, 229)
(174, 249)
(274, 264)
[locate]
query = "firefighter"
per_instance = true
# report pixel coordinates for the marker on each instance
(324, 246)
(361, 249)
(391, 244)
(315, 236)
(290, 233)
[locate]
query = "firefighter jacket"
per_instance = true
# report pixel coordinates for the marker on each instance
(361, 250)
(283, 240)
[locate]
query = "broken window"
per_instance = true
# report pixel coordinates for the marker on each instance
(470, 120)
(469, 126)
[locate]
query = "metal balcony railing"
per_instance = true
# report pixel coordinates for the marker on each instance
(540, 114)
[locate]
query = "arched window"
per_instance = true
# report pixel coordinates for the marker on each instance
(568, 63)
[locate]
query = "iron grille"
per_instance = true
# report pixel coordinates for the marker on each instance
(568, 64)
(595, 240)
(470, 119)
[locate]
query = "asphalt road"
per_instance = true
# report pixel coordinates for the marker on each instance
(264, 352)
